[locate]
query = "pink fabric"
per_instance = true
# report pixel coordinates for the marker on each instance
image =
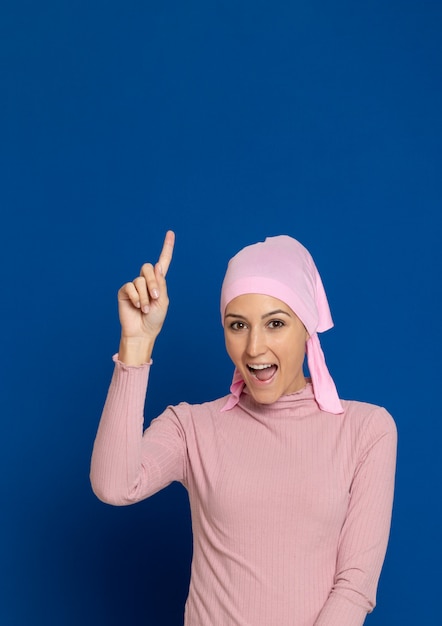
(282, 268)
(290, 506)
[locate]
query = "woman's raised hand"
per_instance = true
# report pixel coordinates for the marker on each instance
(142, 307)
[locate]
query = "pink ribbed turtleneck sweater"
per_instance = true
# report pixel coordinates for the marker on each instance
(290, 505)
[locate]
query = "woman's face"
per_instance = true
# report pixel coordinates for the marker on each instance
(266, 341)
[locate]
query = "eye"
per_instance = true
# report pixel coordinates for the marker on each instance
(237, 325)
(276, 324)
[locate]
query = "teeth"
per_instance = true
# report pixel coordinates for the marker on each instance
(258, 366)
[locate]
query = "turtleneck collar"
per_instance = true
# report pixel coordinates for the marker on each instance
(301, 403)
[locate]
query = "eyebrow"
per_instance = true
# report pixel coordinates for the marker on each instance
(275, 312)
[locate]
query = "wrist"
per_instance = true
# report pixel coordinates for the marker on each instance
(135, 350)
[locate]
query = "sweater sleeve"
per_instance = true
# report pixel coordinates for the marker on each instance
(129, 465)
(364, 535)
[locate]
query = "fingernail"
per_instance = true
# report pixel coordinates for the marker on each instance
(138, 305)
(155, 293)
(145, 308)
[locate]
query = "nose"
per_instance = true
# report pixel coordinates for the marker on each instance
(256, 343)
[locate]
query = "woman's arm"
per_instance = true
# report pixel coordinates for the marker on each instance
(365, 533)
(127, 465)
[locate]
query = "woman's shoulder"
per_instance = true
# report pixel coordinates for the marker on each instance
(208, 406)
(204, 412)
(366, 415)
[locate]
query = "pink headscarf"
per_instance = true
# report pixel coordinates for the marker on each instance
(282, 268)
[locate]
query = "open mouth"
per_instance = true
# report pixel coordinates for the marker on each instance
(262, 372)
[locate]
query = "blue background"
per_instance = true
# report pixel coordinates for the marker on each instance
(228, 122)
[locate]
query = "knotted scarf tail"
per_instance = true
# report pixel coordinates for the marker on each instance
(323, 386)
(235, 389)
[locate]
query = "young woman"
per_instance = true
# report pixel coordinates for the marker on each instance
(290, 487)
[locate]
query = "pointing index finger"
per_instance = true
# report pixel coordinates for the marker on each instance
(167, 251)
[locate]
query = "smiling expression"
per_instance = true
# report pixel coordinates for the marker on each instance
(266, 341)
